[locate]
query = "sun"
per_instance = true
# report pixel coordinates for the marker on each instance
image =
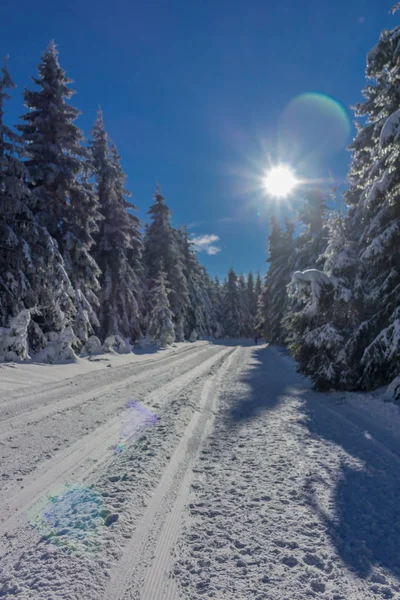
(280, 181)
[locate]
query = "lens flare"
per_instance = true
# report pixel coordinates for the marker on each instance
(70, 518)
(316, 124)
(137, 419)
(280, 181)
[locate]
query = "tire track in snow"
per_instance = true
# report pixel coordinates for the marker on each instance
(28, 418)
(88, 455)
(27, 400)
(152, 541)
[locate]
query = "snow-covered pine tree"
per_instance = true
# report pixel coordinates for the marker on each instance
(252, 303)
(232, 317)
(161, 244)
(362, 326)
(245, 307)
(312, 337)
(118, 243)
(315, 316)
(258, 287)
(65, 202)
(32, 274)
(312, 241)
(215, 294)
(199, 305)
(259, 302)
(160, 327)
(273, 302)
(374, 218)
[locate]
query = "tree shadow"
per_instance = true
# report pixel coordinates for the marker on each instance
(260, 392)
(365, 527)
(231, 341)
(364, 520)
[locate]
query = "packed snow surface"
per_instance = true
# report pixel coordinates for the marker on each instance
(204, 471)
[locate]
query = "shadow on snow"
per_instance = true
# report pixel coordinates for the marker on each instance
(264, 393)
(365, 529)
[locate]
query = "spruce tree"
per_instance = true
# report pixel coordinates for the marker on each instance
(32, 274)
(161, 245)
(160, 327)
(118, 244)
(252, 303)
(312, 336)
(216, 297)
(199, 305)
(232, 317)
(374, 220)
(245, 307)
(258, 287)
(65, 202)
(312, 241)
(273, 302)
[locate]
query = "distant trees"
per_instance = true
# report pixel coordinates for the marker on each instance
(273, 301)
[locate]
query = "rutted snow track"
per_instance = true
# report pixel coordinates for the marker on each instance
(142, 570)
(214, 472)
(52, 560)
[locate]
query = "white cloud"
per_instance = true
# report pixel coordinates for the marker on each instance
(205, 243)
(211, 250)
(226, 219)
(195, 224)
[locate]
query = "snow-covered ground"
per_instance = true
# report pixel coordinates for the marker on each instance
(207, 471)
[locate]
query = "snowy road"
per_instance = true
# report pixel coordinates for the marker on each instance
(210, 472)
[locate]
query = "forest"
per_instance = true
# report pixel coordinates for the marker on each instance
(79, 272)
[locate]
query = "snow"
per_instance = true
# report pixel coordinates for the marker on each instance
(378, 188)
(202, 471)
(314, 280)
(92, 346)
(381, 242)
(60, 348)
(115, 343)
(393, 390)
(390, 129)
(14, 341)
(322, 337)
(372, 55)
(15, 376)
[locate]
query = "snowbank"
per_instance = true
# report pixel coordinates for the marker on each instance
(115, 343)
(314, 280)
(60, 348)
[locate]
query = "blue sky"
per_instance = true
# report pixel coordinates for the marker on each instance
(195, 95)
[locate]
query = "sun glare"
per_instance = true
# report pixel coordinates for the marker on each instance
(280, 181)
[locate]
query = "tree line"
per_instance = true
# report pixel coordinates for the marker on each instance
(76, 268)
(332, 293)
